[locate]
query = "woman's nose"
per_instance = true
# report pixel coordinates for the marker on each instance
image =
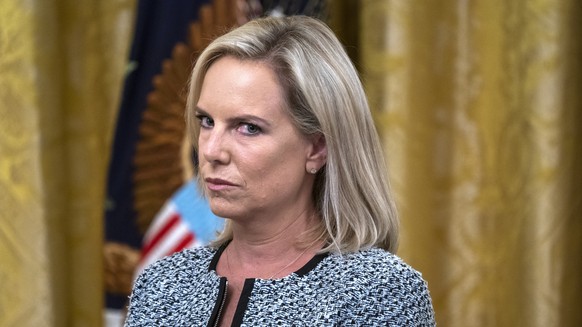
(213, 145)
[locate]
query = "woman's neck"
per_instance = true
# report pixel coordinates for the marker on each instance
(272, 252)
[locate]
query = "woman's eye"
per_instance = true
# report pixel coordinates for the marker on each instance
(205, 121)
(249, 129)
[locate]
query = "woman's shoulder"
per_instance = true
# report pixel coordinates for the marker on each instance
(374, 260)
(187, 260)
(380, 285)
(377, 270)
(171, 286)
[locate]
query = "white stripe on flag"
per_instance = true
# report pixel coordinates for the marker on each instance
(168, 210)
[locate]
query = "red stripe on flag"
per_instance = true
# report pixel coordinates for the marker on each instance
(182, 244)
(172, 220)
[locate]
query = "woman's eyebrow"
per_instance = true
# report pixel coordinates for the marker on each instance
(237, 119)
(252, 118)
(200, 111)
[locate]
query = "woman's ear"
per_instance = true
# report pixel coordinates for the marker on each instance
(317, 156)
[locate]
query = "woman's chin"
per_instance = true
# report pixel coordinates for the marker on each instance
(225, 211)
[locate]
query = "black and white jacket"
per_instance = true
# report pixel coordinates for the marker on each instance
(366, 288)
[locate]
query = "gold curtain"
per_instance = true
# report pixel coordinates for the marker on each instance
(61, 66)
(479, 106)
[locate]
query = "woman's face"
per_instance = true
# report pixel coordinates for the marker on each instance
(253, 160)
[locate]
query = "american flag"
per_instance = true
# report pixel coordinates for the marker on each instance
(185, 221)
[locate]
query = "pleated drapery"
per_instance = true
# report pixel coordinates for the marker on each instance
(479, 106)
(61, 67)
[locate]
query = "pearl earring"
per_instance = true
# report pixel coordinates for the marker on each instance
(313, 171)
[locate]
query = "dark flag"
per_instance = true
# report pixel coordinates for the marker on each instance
(160, 24)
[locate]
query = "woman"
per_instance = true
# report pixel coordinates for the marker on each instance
(289, 154)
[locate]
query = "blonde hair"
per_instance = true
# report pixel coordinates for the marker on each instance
(323, 95)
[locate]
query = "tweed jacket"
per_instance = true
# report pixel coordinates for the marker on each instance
(367, 288)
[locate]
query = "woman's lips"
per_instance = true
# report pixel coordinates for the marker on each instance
(217, 184)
